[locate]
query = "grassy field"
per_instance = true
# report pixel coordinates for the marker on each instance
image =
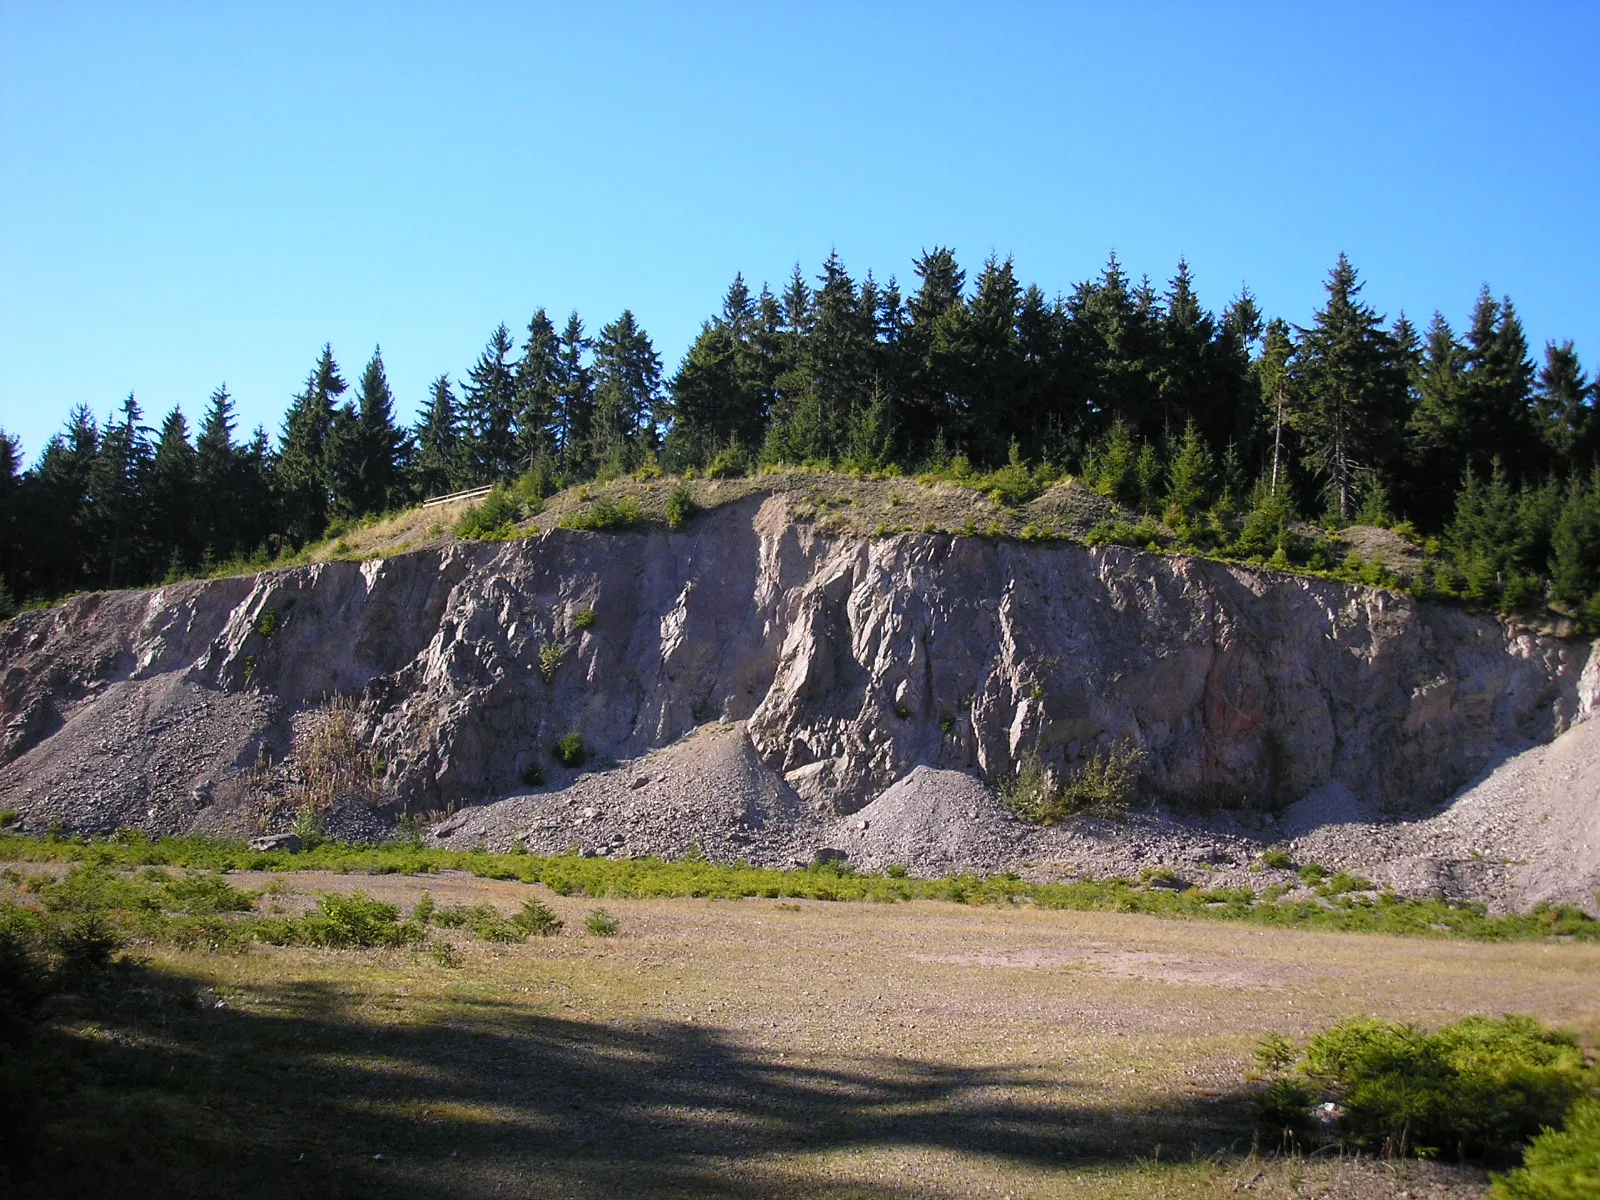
(758, 1047)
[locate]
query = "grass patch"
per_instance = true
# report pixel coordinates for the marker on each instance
(599, 878)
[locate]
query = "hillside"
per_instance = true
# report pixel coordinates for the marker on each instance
(849, 648)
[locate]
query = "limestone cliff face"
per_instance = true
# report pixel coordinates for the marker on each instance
(852, 661)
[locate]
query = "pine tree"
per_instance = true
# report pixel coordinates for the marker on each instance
(1497, 383)
(1561, 401)
(705, 392)
(363, 459)
(172, 495)
(59, 524)
(1436, 431)
(1183, 368)
(992, 365)
(1114, 337)
(1351, 391)
(437, 467)
(1575, 561)
(627, 391)
(117, 482)
(301, 474)
(574, 397)
(537, 380)
(1192, 478)
(220, 515)
(11, 577)
(488, 412)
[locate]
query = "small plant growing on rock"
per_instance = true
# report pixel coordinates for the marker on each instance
(550, 656)
(267, 623)
(533, 775)
(570, 750)
(680, 506)
(584, 619)
(1103, 787)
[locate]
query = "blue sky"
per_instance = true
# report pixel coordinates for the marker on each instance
(192, 195)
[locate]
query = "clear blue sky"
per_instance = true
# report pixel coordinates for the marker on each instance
(192, 195)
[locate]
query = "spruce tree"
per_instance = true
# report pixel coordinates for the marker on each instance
(117, 482)
(58, 527)
(1497, 381)
(1437, 451)
(301, 474)
(705, 393)
(574, 418)
(364, 465)
(172, 497)
(1561, 401)
(11, 577)
(991, 364)
(627, 391)
(537, 380)
(1575, 559)
(437, 466)
(1192, 479)
(220, 514)
(489, 412)
(1351, 391)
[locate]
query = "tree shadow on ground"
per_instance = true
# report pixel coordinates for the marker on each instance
(161, 1091)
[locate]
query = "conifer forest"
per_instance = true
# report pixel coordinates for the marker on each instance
(1230, 430)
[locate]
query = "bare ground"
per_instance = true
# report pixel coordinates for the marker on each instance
(756, 1048)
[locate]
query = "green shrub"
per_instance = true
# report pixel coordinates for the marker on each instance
(1560, 1164)
(604, 513)
(355, 920)
(1312, 874)
(550, 656)
(495, 516)
(536, 918)
(533, 775)
(267, 623)
(1277, 858)
(680, 506)
(570, 750)
(602, 924)
(204, 894)
(1478, 1088)
(584, 619)
(1283, 1111)
(1103, 787)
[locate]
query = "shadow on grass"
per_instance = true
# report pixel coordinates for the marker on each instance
(158, 1091)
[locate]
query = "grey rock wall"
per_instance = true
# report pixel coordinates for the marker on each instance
(852, 661)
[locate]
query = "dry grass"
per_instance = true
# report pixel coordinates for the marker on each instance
(752, 1048)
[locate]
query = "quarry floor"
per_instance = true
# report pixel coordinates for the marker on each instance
(753, 1048)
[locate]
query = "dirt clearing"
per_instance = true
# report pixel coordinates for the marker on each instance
(749, 1048)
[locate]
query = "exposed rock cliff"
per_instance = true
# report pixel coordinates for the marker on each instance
(850, 660)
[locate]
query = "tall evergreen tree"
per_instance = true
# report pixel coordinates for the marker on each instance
(364, 447)
(437, 466)
(627, 390)
(574, 417)
(219, 511)
(11, 577)
(116, 492)
(172, 498)
(1562, 401)
(1351, 390)
(1497, 381)
(489, 412)
(301, 475)
(59, 526)
(537, 380)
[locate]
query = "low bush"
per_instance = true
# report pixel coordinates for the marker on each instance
(602, 924)
(1559, 1164)
(1479, 1088)
(495, 517)
(1103, 787)
(536, 918)
(681, 506)
(342, 922)
(605, 513)
(570, 751)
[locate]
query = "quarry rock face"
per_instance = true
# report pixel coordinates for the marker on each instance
(851, 662)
